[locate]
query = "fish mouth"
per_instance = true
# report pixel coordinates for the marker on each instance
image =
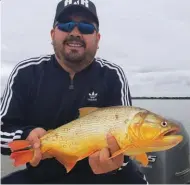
(172, 137)
(171, 132)
(168, 139)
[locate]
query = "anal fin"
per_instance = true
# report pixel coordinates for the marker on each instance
(142, 158)
(68, 165)
(68, 161)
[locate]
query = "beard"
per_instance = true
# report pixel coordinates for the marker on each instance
(73, 56)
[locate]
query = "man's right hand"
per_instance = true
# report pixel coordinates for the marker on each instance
(34, 139)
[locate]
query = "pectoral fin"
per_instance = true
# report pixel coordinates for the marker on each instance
(121, 151)
(142, 158)
(86, 110)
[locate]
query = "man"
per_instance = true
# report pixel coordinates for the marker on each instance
(46, 92)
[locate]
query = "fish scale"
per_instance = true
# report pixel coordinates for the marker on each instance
(81, 132)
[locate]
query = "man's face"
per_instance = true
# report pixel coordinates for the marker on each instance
(75, 47)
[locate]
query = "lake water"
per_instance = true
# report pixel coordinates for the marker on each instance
(176, 109)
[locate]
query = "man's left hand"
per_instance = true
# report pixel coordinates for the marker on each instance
(99, 161)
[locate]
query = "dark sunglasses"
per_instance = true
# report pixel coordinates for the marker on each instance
(84, 28)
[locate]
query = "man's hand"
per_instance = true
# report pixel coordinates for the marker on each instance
(34, 139)
(99, 161)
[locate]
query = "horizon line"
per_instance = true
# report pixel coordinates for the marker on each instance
(161, 97)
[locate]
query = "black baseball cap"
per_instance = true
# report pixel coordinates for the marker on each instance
(85, 5)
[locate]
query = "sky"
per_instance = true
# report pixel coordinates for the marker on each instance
(150, 40)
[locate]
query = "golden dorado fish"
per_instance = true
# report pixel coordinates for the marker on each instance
(136, 130)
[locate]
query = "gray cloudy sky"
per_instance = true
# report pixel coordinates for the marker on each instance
(149, 39)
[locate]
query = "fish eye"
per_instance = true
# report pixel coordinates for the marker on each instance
(164, 124)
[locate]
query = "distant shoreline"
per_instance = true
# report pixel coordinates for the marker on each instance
(161, 98)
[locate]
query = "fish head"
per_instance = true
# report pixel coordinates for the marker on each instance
(154, 132)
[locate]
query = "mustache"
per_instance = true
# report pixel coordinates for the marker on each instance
(76, 39)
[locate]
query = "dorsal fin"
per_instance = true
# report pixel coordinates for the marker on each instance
(49, 131)
(86, 110)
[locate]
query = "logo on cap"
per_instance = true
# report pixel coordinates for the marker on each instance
(79, 2)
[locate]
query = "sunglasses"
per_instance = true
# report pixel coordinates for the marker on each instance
(84, 28)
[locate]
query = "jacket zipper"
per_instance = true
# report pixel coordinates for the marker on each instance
(71, 86)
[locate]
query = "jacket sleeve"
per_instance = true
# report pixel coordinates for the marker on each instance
(13, 106)
(118, 90)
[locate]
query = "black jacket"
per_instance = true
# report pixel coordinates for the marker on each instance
(39, 93)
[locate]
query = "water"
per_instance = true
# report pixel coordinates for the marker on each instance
(175, 109)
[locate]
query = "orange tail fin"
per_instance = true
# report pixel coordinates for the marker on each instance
(24, 155)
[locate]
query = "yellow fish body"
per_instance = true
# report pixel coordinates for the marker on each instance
(136, 130)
